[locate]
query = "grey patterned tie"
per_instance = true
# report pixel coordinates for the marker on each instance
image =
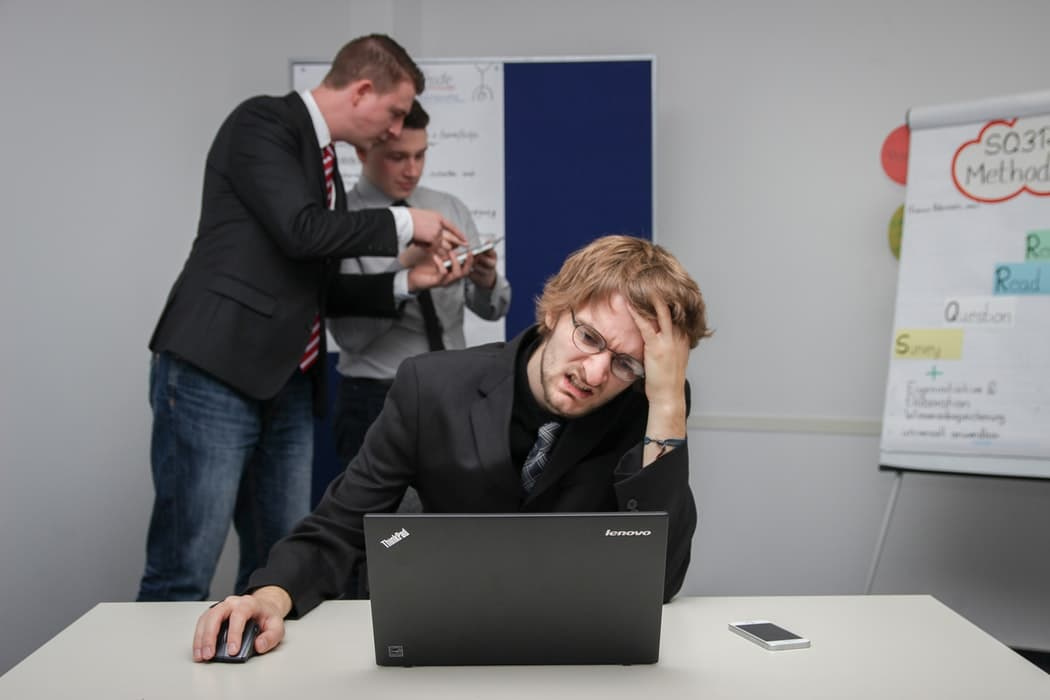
(537, 459)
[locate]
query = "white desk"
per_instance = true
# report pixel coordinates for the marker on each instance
(879, 647)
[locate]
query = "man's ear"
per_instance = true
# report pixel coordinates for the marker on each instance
(359, 89)
(549, 320)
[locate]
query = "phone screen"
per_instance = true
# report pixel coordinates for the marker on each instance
(768, 632)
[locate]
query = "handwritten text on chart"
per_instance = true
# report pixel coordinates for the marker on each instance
(1004, 160)
(1019, 279)
(928, 344)
(1037, 245)
(467, 135)
(952, 411)
(937, 207)
(980, 312)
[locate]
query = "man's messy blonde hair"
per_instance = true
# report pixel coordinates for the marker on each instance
(636, 268)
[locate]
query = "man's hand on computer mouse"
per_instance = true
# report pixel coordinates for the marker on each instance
(267, 606)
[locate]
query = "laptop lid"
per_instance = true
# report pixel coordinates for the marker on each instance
(536, 588)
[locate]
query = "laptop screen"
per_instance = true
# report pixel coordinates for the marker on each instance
(546, 588)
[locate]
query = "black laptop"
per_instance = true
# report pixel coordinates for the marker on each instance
(550, 588)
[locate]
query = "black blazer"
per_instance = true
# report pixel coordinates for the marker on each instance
(265, 259)
(445, 430)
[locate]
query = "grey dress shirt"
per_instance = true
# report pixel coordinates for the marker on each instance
(374, 348)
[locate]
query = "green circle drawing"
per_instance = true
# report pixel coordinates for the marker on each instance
(896, 225)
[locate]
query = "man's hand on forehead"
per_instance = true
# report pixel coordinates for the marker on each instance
(666, 347)
(666, 359)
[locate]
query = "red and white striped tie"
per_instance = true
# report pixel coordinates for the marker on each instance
(313, 347)
(328, 161)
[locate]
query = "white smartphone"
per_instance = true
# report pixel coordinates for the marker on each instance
(769, 636)
(476, 250)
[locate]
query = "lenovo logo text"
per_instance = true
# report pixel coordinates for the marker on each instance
(395, 538)
(628, 533)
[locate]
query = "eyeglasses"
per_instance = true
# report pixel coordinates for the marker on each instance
(624, 367)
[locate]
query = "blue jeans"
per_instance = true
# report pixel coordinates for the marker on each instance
(218, 456)
(357, 405)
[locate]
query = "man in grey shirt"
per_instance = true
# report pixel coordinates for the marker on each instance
(371, 349)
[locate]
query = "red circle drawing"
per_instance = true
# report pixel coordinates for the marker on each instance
(895, 154)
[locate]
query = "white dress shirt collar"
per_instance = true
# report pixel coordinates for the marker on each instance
(371, 194)
(324, 136)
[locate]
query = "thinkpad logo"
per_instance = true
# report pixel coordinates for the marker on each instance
(395, 538)
(628, 533)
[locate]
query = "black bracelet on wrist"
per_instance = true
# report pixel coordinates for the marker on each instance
(664, 444)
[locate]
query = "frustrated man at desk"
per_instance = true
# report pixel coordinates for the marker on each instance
(583, 412)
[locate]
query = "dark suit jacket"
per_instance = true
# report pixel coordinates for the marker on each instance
(265, 259)
(445, 431)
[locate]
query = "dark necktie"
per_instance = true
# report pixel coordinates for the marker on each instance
(538, 455)
(431, 322)
(313, 345)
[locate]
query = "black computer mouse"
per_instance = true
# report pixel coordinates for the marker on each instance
(247, 650)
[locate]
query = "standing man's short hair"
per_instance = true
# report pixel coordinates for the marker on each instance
(375, 57)
(634, 267)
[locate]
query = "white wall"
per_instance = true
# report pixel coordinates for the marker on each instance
(769, 188)
(108, 110)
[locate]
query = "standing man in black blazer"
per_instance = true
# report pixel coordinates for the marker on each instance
(239, 349)
(605, 363)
